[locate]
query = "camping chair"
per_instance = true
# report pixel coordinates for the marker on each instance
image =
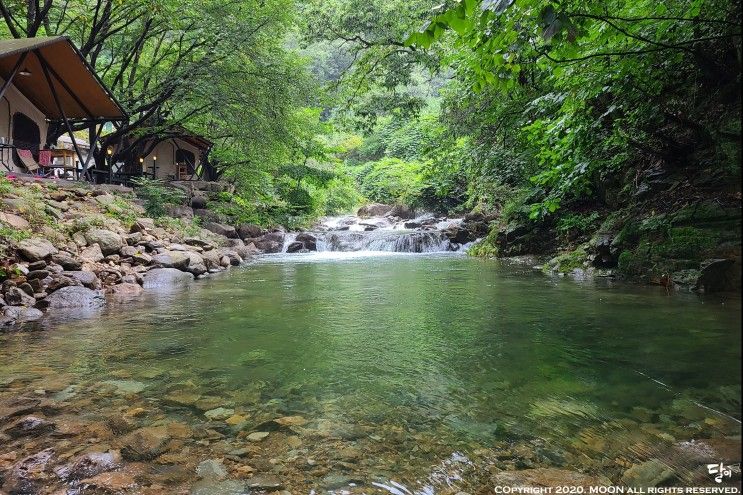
(27, 159)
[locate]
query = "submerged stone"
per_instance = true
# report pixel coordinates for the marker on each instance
(648, 474)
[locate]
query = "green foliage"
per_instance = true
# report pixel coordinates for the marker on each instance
(686, 243)
(573, 224)
(156, 195)
(392, 180)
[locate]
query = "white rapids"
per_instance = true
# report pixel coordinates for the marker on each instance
(424, 234)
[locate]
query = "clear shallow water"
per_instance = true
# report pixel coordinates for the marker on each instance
(399, 362)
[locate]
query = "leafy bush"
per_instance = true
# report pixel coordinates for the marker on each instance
(392, 180)
(156, 194)
(574, 224)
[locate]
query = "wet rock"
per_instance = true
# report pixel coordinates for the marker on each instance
(257, 436)
(126, 387)
(165, 277)
(126, 291)
(648, 474)
(114, 482)
(29, 426)
(89, 465)
(14, 296)
(249, 231)
(26, 476)
(196, 264)
(74, 297)
(145, 443)
(373, 210)
(264, 482)
(109, 242)
(308, 240)
(215, 487)
(402, 211)
(221, 229)
(219, 414)
(181, 398)
(294, 247)
(36, 249)
(718, 275)
(541, 477)
(21, 314)
(333, 481)
(212, 469)
(172, 259)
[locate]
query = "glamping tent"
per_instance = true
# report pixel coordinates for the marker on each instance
(44, 80)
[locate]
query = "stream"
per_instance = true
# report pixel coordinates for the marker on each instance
(382, 372)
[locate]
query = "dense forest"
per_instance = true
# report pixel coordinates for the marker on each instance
(561, 123)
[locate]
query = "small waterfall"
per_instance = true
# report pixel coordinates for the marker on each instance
(382, 234)
(394, 241)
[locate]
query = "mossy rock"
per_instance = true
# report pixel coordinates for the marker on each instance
(567, 262)
(687, 243)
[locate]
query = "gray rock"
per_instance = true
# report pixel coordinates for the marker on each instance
(21, 314)
(309, 241)
(373, 210)
(211, 469)
(126, 387)
(66, 261)
(74, 297)
(165, 277)
(172, 259)
(92, 253)
(36, 249)
(88, 279)
(294, 247)
(221, 229)
(265, 482)
(402, 211)
(14, 296)
(249, 231)
(109, 242)
(196, 265)
(142, 225)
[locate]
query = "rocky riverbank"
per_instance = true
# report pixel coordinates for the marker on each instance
(70, 246)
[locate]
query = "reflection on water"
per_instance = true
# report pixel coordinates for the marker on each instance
(429, 372)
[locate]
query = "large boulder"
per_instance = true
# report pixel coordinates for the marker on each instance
(14, 221)
(402, 211)
(198, 202)
(125, 291)
(92, 253)
(308, 240)
(73, 296)
(221, 229)
(718, 275)
(165, 277)
(36, 249)
(21, 314)
(196, 264)
(249, 231)
(373, 210)
(172, 259)
(88, 279)
(109, 242)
